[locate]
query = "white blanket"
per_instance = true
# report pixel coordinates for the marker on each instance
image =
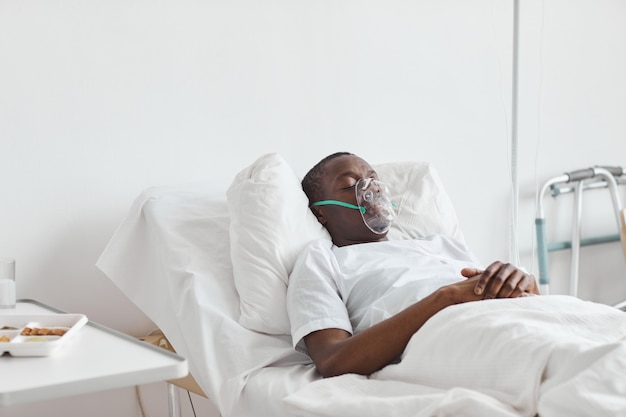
(546, 355)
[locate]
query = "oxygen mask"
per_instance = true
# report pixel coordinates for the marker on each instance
(375, 205)
(373, 202)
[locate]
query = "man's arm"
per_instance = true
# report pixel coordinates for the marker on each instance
(336, 352)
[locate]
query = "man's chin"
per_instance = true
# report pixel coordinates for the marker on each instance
(379, 227)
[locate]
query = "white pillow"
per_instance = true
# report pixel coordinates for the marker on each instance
(423, 206)
(271, 224)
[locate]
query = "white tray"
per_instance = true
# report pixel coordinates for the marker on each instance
(12, 327)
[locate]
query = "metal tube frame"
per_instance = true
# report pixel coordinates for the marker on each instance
(576, 223)
(174, 405)
(598, 177)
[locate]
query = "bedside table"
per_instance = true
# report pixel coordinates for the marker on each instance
(96, 358)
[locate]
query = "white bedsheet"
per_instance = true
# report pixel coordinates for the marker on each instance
(552, 355)
(171, 257)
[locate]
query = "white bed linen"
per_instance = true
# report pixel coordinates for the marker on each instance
(552, 355)
(170, 256)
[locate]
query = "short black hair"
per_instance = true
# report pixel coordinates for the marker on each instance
(311, 183)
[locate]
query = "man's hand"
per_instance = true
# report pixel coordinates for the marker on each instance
(502, 280)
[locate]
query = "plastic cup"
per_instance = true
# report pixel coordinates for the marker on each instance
(7, 283)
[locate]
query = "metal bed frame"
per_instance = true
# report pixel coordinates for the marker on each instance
(577, 182)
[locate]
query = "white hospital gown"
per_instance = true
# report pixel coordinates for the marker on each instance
(356, 286)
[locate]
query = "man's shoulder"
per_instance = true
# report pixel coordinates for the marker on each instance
(318, 248)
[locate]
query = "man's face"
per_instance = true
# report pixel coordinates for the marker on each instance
(345, 225)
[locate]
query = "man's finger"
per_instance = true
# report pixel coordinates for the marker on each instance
(471, 272)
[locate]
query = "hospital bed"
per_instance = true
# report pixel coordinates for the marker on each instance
(210, 268)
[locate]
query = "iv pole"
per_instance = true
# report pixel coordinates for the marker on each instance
(513, 242)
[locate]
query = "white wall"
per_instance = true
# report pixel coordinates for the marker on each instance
(573, 107)
(99, 100)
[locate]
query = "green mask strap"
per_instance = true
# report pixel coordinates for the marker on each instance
(338, 203)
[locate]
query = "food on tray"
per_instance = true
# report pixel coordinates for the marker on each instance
(27, 331)
(20, 334)
(36, 339)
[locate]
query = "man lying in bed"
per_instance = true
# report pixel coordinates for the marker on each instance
(355, 304)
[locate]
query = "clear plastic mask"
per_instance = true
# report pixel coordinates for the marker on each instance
(375, 205)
